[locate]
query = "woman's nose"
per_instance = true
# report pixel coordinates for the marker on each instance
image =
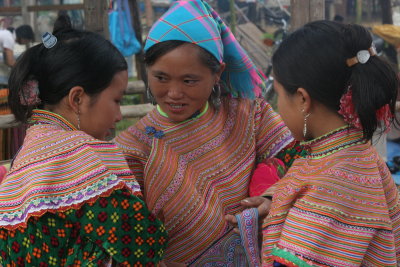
(118, 116)
(175, 92)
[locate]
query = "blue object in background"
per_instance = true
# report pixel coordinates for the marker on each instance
(393, 150)
(122, 34)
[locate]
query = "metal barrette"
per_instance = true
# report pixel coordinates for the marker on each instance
(362, 56)
(49, 40)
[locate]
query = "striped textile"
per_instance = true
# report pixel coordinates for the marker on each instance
(11, 139)
(3, 170)
(59, 168)
(199, 170)
(4, 108)
(339, 206)
(194, 21)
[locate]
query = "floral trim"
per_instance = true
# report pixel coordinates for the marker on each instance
(29, 94)
(292, 152)
(40, 206)
(310, 142)
(334, 141)
(287, 258)
(350, 115)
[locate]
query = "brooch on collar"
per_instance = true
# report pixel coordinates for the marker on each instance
(152, 131)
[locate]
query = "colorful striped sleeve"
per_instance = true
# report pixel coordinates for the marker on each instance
(393, 202)
(271, 133)
(134, 152)
(312, 232)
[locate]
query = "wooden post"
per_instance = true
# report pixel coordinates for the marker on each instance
(96, 16)
(369, 10)
(137, 26)
(29, 18)
(148, 7)
(359, 4)
(387, 16)
(24, 11)
(304, 11)
(341, 8)
(317, 10)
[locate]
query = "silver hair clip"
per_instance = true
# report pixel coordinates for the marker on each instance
(362, 56)
(49, 40)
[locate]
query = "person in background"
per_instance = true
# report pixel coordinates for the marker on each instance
(338, 18)
(195, 153)
(8, 37)
(69, 198)
(338, 205)
(11, 138)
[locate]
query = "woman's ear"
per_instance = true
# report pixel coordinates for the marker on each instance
(75, 97)
(304, 100)
(221, 70)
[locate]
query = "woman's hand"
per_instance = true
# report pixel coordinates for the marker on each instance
(261, 203)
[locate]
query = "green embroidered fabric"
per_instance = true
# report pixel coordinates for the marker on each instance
(118, 227)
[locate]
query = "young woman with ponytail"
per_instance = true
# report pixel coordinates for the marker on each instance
(69, 198)
(337, 206)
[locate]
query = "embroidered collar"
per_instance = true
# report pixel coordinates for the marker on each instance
(333, 141)
(40, 116)
(150, 130)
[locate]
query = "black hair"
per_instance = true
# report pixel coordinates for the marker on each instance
(63, 22)
(11, 29)
(25, 32)
(314, 58)
(79, 58)
(209, 60)
(338, 18)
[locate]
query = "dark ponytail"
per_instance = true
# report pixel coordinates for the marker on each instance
(373, 84)
(79, 58)
(23, 71)
(314, 58)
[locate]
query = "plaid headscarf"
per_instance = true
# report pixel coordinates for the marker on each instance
(194, 21)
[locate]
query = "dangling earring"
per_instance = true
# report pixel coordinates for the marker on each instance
(216, 95)
(150, 96)
(305, 124)
(78, 119)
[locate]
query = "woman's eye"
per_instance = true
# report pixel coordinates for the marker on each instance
(160, 78)
(190, 81)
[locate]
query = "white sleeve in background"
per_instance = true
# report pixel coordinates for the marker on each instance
(7, 40)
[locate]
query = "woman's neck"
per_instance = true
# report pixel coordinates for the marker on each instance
(322, 122)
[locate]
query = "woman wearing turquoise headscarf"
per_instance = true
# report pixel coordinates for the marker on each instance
(195, 153)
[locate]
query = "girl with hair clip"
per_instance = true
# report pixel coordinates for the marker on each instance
(337, 206)
(69, 198)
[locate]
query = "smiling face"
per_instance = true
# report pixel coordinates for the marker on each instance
(180, 83)
(98, 116)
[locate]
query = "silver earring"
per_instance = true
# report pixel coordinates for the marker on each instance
(305, 124)
(150, 96)
(79, 120)
(216, 95)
